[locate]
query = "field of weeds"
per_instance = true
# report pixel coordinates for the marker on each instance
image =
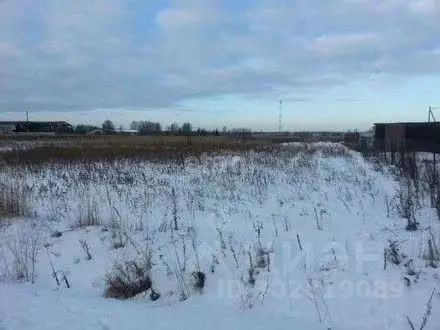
(35, 149)
(308, 236)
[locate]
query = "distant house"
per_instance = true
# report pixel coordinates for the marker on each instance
(95, 131)
(126, 131)
(35, 127)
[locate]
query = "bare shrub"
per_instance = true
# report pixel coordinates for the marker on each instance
(251, 271)
(118, 236)
(19, 252)
(393, 254)
(14, 199)
(261, 258)
(432, 252)
(318, 219)
(175, 215)
(437, 201)
(179, 264)
(408, 164)
(128, 279)
(214, 262)
(387, 205)
(430, 178)
(407, 202)
(86, 248)
(118, 229)
(88, 216)
(316, 296)
(426, 316)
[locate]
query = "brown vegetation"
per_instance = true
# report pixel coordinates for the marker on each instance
(127, 280)
(68, 148)
(14, 200)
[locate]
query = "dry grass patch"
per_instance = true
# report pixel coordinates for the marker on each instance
(14, 199)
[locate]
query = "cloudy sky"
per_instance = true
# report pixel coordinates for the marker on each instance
(337, 64)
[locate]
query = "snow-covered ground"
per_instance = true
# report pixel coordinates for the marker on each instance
(288, 239)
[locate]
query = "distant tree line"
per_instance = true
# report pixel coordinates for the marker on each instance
(150, 127)
(146, 127)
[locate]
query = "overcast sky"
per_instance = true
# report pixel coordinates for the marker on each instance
(337, 64)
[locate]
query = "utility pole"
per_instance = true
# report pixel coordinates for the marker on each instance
(27, 116)
(280, 116)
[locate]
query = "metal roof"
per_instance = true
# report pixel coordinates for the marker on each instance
(33, 122)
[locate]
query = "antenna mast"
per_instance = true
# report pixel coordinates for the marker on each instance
(431, 114)
(280, 118)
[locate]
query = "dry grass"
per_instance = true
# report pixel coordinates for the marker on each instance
(14, 199)
(128, 280)
(88, 215)
(141, 140)
(72, 148)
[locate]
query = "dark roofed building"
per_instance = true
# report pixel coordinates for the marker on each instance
(35, 127)
(411, 136)
(8, 126)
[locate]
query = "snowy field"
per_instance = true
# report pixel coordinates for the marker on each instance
(307, 237)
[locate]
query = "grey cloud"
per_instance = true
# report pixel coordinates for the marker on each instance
(87, 54)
